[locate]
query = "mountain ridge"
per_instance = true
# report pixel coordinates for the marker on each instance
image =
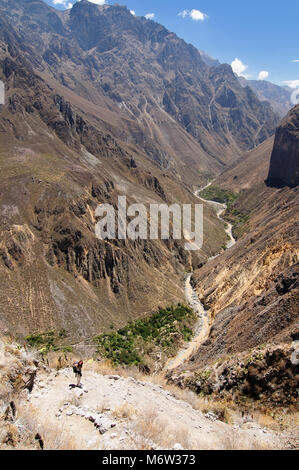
(279, 97)
(136, 71)
(58, 163)
(75, 137)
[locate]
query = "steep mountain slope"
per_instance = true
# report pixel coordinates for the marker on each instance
(208, 60)
(159, 93)
(57, 165)
(251, 290)
(99, 103)
(284, 164)
(251, 169)
(279, 97)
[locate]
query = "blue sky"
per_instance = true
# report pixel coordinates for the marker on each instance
(261, 34)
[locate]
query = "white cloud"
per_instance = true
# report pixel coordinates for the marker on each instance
(150, 16)
(296, 60)
(67, 4)
(133, 12)
(184, 13)
(263, 75)
(195, 15)
(292, 83)
(63, 3)
(238, 67)
(98, 2)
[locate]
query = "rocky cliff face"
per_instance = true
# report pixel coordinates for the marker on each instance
(58, 162)
(278, 96)
(251, 290)
(158, 92)
(284, 165)
(88, 118)
(266, 375)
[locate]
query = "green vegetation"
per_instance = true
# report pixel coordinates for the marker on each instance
(46, 342)
(253, 357)
(237, 218)
(204, 375)
(239, 221)
(213, 193)
(141, 340)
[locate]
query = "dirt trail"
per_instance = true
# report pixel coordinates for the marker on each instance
(203, 327)
(113, 412)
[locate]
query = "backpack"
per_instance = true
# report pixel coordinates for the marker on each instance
(77, 366)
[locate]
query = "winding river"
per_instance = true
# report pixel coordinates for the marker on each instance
(203, 324)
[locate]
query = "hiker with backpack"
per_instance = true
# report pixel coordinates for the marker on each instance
(77, 368)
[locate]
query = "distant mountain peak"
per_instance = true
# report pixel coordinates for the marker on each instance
(143, 68)
(279, 97)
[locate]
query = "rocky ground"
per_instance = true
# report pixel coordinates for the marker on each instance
(267, 375)
(40, 408)
(113, 412)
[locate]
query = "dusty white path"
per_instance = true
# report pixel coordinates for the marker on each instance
(143, 415)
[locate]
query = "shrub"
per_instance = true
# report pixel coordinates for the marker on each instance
(162, 330)
(46, 342)
(213, 193)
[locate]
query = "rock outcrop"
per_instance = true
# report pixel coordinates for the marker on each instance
(284, 164)
(278, 96)
(264, 375)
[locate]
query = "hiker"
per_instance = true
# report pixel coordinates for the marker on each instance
(77, 368)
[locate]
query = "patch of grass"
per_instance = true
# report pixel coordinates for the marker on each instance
(152, 428)
(124, 411)
(161, 331)
(46, 342)
(66, 349)
(213, 193)
(54, 438)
